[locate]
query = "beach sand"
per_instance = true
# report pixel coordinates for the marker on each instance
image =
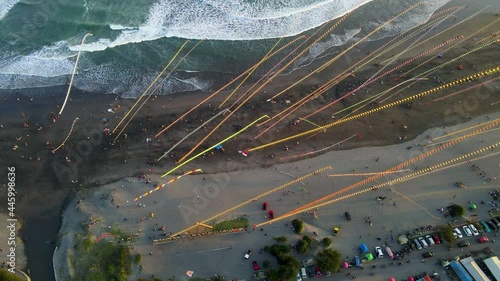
(93, 161)
(415, 203)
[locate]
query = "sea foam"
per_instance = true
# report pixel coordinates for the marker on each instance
(6, 5)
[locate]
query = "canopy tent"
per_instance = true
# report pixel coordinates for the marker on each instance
(363, 248)
(345, 264)
(369, 256)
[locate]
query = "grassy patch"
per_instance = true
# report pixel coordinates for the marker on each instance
(231, 224)
(100, 261)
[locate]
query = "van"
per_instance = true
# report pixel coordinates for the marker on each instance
(303, 273)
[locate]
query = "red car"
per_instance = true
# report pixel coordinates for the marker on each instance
(318, 271)
(255, 265)
(483, 239)
(436, 239)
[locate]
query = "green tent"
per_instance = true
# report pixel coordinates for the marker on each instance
(472, 207)
(369, 256)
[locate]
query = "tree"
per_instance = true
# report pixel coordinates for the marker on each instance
(289, 267)
(273, 275)
(302, 246)
(307, 238)
(266, 264)
(282, 239)
(327, 241)
(446, 231)
(328, 260)
(298, 226)
(278, 249)
(137, 259)
(7, 276)
(456, 210)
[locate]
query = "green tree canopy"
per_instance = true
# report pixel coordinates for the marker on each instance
(282, 239)
(8, 276)
(456, 210)
(289, 267)
(327, 241)
(328, 260)
(278, 249)
(446, 231)
(302, 247)
(298, 226)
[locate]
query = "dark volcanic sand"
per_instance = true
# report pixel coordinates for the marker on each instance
(44, 184)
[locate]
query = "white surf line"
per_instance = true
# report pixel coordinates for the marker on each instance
(194, 131)
(74, 71)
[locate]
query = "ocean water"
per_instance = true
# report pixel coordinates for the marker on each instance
(133, 40)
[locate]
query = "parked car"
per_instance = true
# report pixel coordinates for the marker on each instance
(310, 271)
(318, 271)
(467, 230)
(422, 241)
(492, 225)
(347, 216)
(462, 244)
(379, 253)
(427, 255)
(486, 227)
(474, 230)
(255, 265)
(247, 255)
(483, 239)
(497, 221)
(430, 240)
(457, 233)
(417, 244)
(436, 239)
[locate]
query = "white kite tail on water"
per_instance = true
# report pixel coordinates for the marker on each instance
(73, 74)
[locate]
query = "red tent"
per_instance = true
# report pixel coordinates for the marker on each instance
(264, 206)
(392, 279)
(460, 67)
(410, 278)
(345, 264)
(271, 214)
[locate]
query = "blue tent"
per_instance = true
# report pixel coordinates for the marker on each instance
(363, 248)
(218, 147)
(460, 271)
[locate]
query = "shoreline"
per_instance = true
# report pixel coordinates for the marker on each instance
(58, 185)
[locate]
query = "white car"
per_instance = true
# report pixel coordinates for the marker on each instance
(248, 254)
(467, 230)
(474, 230)
(423, 242)
(378, 250)
(430, 240)
(457, 233)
